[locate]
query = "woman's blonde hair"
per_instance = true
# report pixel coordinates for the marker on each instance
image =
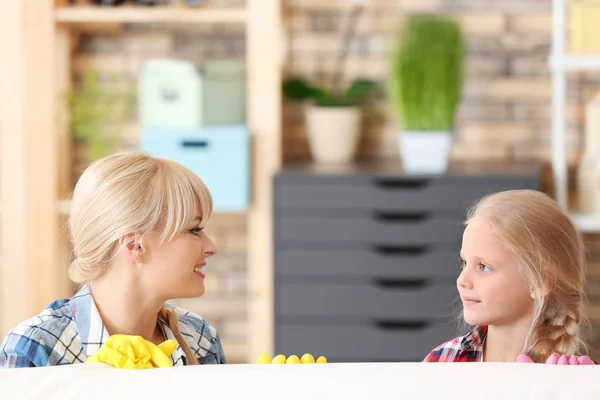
(131, 193)
(551, 255)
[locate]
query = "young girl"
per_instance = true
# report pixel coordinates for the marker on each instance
(136, 225)
(521, 283)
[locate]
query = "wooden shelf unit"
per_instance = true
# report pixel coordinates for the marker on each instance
(133, 14)
(35, 67)
(560, 62)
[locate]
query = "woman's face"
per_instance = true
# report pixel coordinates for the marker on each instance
(176, 269)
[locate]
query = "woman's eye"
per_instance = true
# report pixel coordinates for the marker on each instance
(196, 230)
(485, 268)
(463, 263)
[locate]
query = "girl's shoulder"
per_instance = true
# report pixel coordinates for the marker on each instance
(466, 348)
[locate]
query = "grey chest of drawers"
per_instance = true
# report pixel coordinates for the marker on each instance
(366, 258)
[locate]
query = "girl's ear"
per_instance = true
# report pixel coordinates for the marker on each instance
(539, 292)
(546, 285)
(533, 293)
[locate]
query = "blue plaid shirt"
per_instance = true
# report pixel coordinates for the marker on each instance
(68, 331)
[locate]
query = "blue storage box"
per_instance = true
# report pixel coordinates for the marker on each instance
(219, 155)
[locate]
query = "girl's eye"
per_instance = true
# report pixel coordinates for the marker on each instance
(196, 230)
(463, 263)
(485, 268)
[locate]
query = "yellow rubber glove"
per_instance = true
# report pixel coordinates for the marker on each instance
(134, 352)
(293, 359)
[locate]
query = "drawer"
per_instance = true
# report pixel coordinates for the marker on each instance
(381, 301)
(392, 194)
(398, 229)
(368, 263)
(361, 343)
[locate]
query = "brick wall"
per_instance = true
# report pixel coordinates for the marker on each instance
(505, 112)
(506, 104)
(504, 115)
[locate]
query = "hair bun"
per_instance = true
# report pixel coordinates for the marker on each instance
(75, 273)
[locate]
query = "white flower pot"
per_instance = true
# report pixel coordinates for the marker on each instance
(425, 152)
(333, 133)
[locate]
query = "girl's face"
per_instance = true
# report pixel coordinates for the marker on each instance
(176, 269)
(490, 284)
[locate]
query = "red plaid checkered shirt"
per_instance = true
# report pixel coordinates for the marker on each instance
(467, 348)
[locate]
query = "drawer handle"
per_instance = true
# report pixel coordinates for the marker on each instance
(401, 283)
(195, 143)
(400, 250)
(400, 324)
(400, 216)
(392, 183)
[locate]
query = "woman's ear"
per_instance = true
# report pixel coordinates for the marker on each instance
(133, 244)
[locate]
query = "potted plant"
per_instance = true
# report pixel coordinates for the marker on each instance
(98, 108)
(425, 84)
(333, 112)
(332, 117)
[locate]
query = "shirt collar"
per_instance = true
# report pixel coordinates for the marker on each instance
(475, 339)
(92, 331)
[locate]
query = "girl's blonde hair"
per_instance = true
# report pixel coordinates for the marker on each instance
(132, 193)
(551, 254)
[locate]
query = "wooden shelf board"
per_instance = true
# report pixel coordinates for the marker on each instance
(138, 14)
(575, 62)
(586, 223)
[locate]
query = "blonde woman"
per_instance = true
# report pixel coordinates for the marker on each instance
(521, 283)
(136, 226)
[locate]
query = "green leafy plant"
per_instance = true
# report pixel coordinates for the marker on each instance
(357, 93)
(331, 94)
(98, 107)
(426, 73)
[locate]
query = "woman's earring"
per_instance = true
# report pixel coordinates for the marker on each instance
(133, 245)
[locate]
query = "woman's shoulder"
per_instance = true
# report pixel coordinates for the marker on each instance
(193, 321)
(53, 319)
(33, 341)
(204, 338)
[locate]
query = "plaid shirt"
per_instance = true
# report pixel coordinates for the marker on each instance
(467, 348)
(68, 331)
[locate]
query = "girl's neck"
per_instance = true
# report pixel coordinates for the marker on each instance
(504, 343)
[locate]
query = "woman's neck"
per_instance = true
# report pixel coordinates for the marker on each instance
(504, 343)
(126, 309)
